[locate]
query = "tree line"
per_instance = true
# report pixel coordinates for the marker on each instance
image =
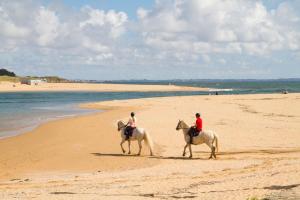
(5, 72)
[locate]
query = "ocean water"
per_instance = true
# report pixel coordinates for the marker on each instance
(22, 111)
(231, 86)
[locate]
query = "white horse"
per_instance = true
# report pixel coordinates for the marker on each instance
(207, 137)
(138, 134)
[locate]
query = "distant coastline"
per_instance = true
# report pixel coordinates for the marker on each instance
(99, 87)
(237, 86)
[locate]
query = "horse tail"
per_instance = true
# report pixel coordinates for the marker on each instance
(217, 142)
(149, 142)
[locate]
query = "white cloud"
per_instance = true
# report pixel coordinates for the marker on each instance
(211, 26)
(112, 21)
(173, 33)
(47, 26)
(96, 47)
(222, 61)
(141, 13)
(206, 58)
(9, 29)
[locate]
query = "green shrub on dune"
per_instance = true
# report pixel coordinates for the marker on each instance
(9, 79)
(54, 79)
(9, 76)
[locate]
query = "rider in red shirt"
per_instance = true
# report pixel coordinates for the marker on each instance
(196, 129)
(198, 123)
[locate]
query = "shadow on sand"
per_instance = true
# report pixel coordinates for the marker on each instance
(177, 158)
(204, 153)
(257, 151)
(152, 157)
(116, 155)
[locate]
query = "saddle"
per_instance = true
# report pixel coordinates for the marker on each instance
(129, 131)
(193, 132)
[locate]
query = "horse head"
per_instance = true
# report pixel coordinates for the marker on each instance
(178, 127)
(181, 125)
(120, 125)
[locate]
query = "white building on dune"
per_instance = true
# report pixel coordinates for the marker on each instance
(33, 81)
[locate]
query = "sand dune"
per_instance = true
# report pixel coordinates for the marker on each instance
(80, 158)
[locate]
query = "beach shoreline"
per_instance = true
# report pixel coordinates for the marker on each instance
(66, 154)
(11, 87)
(43, 130)
(15, 131)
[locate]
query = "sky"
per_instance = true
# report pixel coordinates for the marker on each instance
(151, 39)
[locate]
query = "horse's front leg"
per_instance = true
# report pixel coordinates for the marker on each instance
(121, 144)
(129, 152)
(184, 149)
(140, 147)
(190, 148)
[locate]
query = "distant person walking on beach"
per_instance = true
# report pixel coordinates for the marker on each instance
(196, 129)
(130, 126)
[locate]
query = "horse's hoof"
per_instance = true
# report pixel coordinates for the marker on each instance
(129, 152)
(124, 151)
(190, 156)
(183, 154)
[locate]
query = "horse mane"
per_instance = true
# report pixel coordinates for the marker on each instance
(121, 121)
(184, 124)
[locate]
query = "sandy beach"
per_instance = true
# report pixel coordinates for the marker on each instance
(80, 157)
(95, 87)
(71, 70)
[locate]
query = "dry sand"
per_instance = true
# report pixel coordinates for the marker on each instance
(100, 87)
(80, 158)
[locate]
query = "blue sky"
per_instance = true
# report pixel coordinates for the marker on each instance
(130, 7)
(145, 39)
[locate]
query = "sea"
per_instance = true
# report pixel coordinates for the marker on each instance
(23, 111)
